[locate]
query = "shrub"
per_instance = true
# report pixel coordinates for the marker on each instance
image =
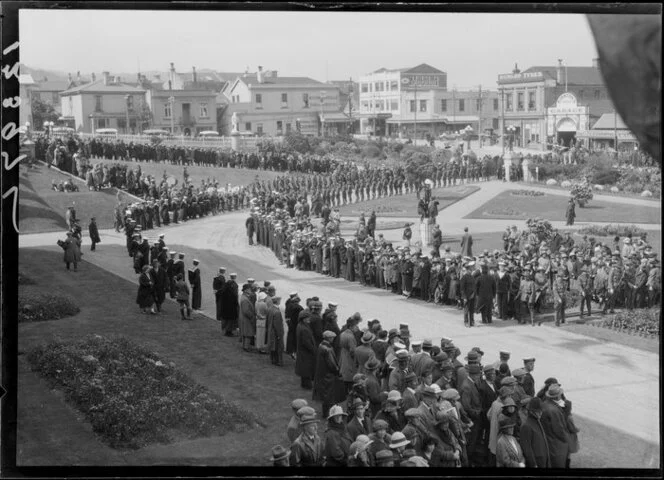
(506, 212)
(605, 177)
(615, 190)
(551, 181)
(646, 193)
(611, 230)
(565, 184)
(36, 307)
(599, 187)
(582, 193)
(132, 397)
(542, 229)
(371, 151)
(644, 321)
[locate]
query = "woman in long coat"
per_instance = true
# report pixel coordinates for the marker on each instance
(305, 361)
(292, 316)
(145, 296)
(72, 248)
(327, 371)
(247, 318)
(230, 307)
(275, 334)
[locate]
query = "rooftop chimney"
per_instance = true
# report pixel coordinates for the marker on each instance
(595, 62)
(78, 77)
(93, 76)
(194, 74)
(69, 77)
(516, 69)
(259, 74)
(107, 77)
(172, 67)
(559, 71)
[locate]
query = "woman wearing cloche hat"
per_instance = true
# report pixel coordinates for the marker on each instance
(337, 438)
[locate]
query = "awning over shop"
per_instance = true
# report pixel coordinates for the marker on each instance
(337, 118)
(419, 120)
(462, 119)
(379, 116)
(608, 135)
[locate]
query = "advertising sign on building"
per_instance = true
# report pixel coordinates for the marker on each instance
(422, 81)
(567, 112)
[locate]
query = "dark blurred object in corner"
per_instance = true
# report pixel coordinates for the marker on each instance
(630, 58)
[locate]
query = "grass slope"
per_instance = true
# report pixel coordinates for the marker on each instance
(553, 207)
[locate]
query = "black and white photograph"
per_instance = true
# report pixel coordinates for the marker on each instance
(316, 237)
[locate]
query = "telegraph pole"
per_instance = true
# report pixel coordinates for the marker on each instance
(415, 85)
(502, 120)
(479, 115)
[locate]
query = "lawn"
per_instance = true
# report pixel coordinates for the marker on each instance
(46, 423)
(552, 207)
(234, 176)
(405, 205)
(42, 209)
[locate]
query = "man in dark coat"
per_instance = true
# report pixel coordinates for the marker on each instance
(503, 281)
(327, 372)
(305, 361)
(177, 269)
(169, 272)
(528, 380)
(94, 233)
(471, 399)
(533, 438)
(486, 292)
(230, 305)
(292, 314)
(466, 244)
(555, 426)
(145, 296)
(217, 286)
(247, 318)
(275, 334)
(251, 228)
(570, 214)
(195, 282)
(468, 292)
(160, 282)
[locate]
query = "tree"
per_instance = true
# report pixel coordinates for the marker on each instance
(42, 112)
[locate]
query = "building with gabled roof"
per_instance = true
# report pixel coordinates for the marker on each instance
(26, 86)
(265, 103)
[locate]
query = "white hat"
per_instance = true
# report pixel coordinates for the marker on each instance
(292, 294)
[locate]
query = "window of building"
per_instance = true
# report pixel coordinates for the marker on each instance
(364, 88)
(71, 104)
(101, 123)
(394, 85)
(288, 128)
(247, 126)
(204, 110)
(412, 106)
(167, 110)
(597, 94)
(443, 105)
(56, 97)
(379, 86)
(495, 123)
(519, 101)
(496, 105)
(305, 100)
(259, 128)
(130, 102)
(477, 104)
(423, 105)
(365, 106)
(284, 100)
(462, 105)
(508, 102)
(280, 127)
(531, 101)
(394, 105)
(371, 87)
(379, 105)
(259, 100)
(98, 103)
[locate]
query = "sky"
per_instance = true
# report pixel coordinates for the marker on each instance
(472, 48)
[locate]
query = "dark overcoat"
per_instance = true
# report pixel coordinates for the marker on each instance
(145, 298)
(230, 306)
(305, 361)
(327, 371)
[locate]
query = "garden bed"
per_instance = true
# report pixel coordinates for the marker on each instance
(527, 193)
(611, 230)
(643, 322)
(35, 306)
(131, 396)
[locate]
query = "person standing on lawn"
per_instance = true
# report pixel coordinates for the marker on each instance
(247, 318)
(275, 335)
(570, 214)
(486, 292)
(585, 286)
(230, 306)
(160, 283)
(217, 287)
(94, 233)
(466, 244)
(195, 282)
(468, 291)
(559, 303)
(145, 296)
(72, 248)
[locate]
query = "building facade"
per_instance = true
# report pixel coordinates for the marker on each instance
(610, 131)
(103, 103)
(527, 97)
(264, 103)
(26, 86)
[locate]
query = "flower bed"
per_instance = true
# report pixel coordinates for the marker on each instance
(527, 193)
(40, 307)
(643, 322)
(611, 230)
(132, 397)
(505, 212)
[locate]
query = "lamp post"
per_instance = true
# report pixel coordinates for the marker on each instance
(171, 100)
(127, 97)
(47, 125)
(511, 129)
(468, 132)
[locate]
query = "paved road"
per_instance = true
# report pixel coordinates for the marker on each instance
(611, 384)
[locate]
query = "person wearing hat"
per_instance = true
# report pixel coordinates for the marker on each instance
(448, 451)
(280, 456)
(466, 243)
(532, 437)
(347, 346)
(274, 322)
(416, 430)
(584, 286)
(359, 424)
(528, 382)
(467, 287)
(293, 429)
(359, 455)
(486, 293)
(398, 445)
(372, 386)
(308, 449)
(337, 438)
(410, 393)
(292, 314)
(397, 378)
(364, 352)
(327, 372)
(428, 406)
(217, 287)
(391, 412)
(654, 283)
(600, 285)
(72, 250)
(616, 283)
(559, 300)
(230, 305)
(247, 318)
(555, 428)
(94, 234)
(384, 458)
(471, 400)
(508, 450)
(305, 359)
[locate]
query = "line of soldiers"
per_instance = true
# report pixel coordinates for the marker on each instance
(388, 401)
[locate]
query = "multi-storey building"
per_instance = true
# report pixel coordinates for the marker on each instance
(527, 97)
(103, 103)
(263, 103)
(26, 86)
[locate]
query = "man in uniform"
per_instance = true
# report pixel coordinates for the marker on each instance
(559, 302)
(528, 382)
(195, 282)
(217, 286)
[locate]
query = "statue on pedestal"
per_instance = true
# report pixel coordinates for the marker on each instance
(235, 122)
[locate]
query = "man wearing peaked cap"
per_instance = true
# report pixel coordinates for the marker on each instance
(528, 382)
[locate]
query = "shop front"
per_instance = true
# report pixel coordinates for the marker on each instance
(566, 120)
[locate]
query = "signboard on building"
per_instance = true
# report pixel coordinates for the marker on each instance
(566, 112)
(608, 134)
(520, 77)
(422, 81)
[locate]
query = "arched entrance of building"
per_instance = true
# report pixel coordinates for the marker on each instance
(566, 132)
